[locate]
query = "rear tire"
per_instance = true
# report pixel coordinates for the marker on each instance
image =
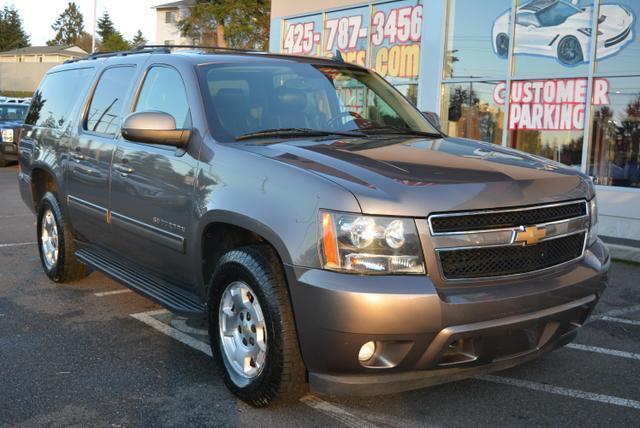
(274, 371)
(55, 243)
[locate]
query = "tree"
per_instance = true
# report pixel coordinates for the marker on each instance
(12, 35)
(234, 23)
(105, 26)
(114, 42)
(69, 26)
(138, 39)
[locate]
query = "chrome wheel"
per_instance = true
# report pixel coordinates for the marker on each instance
(49, 239)
(243, 333)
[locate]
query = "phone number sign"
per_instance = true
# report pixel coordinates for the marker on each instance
(385, 37)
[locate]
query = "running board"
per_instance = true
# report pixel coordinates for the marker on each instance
(175, 299)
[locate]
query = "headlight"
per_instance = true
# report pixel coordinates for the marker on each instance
(370, 245)
(7, 135)
(593, 221)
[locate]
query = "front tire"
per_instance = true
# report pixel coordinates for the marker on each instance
(502, 45)
(3, 161)
(251, 328)
(55, 243)
(570, 51)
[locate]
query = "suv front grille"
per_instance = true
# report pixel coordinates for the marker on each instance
(487, 262)
(503, 219)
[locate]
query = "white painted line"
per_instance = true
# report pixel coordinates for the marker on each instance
(616, 312)
(606, 351)
(335, 412)
(111, 293)
(147, 318)
(621, 320)
(314, 402)
(567, 392)
(17, 244)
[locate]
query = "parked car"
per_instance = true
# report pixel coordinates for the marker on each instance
(562, 30)
(333, 242)
(11, 120)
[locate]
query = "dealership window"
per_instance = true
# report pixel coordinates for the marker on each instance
(477, 39)
(553, 37)
(470, 111)
(614, 155)
(547, 117)
(618, 51)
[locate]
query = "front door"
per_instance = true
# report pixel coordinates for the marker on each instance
(152, 185)
(90, 154)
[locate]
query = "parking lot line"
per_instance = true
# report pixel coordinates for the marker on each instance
(312, 401)
(17, 244)
(567, 392)
(621, 320)
(616, 312)
(606, 351)
(111, 293)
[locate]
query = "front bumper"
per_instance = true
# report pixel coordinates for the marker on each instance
(428, 334)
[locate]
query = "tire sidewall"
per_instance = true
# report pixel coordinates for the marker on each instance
(270, 377)
(49, 201)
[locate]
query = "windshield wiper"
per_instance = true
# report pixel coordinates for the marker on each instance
(400, 130)
(295, 132)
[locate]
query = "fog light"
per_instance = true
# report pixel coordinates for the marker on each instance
(366, 352)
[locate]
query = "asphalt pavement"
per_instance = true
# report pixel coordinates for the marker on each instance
(92, 353)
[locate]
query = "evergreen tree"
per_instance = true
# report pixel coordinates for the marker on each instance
(115, 42)
(138, 39)
(69, 26)
(12, 35)
(237, 23)
(105, 26)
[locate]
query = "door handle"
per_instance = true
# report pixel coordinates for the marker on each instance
(76, 155)
(122, 169)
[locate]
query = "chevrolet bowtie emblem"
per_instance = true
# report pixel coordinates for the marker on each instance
(530, 235)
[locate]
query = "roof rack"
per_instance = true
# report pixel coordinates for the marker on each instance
(141, 49)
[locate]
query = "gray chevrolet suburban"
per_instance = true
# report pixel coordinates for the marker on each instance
(333, 237)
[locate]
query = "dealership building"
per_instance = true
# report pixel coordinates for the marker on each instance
(556, 78)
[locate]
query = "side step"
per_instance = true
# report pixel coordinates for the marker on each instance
(177, 300)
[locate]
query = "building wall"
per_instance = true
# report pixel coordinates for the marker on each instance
(169, 31)
(283, 8)
(23, 77)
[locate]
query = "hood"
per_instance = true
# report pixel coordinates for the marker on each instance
(417, 176)
(614, 20)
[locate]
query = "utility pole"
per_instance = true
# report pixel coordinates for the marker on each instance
(93, 36)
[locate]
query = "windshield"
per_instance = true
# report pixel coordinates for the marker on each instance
(557, 14)
(13, 113)
(249, 98)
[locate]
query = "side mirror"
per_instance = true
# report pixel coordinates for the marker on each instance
(433, 118)
(154, 127)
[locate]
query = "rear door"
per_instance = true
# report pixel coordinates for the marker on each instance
(152, 185)
(91, 153)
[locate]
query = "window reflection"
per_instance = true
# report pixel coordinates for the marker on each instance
(469, 111)
(615, 146)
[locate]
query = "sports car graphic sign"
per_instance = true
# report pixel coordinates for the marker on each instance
(562, 29)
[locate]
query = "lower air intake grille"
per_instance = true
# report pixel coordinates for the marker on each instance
(510, 260)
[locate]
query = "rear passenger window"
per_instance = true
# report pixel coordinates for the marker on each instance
(163, 90)
(52, 104)
(105, 111)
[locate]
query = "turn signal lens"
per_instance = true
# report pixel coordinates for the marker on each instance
(329, 243)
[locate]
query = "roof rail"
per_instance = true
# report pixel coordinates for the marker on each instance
(134, 51)
(141, 49)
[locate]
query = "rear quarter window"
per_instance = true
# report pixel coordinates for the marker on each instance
(59, 93)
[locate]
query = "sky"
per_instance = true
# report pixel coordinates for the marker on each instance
(127, 15)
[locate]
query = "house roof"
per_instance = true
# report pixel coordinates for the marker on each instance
(73, 51)
(175, 4)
